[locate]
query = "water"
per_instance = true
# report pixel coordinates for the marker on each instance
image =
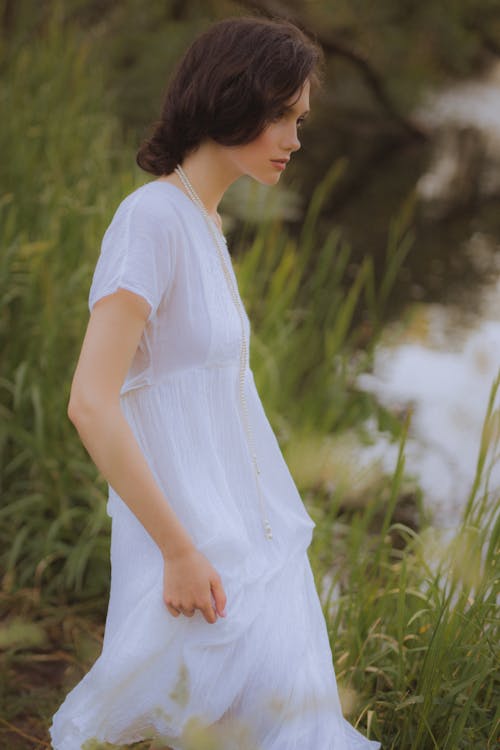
(448, 354)
(445, 378)
(465, 122)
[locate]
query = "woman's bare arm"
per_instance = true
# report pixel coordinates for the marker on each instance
(111, 339)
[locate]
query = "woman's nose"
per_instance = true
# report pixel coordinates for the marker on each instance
(293, 143)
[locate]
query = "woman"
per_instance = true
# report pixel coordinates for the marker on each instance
(214, 621)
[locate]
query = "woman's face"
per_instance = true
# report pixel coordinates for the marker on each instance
(277, 141)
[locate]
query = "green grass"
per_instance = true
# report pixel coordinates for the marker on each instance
(416, 631)
(413, 625)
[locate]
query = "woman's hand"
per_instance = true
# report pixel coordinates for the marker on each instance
(189, 580)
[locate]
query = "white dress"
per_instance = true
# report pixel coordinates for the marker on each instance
(262, 676)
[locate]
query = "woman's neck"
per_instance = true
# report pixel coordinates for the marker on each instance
(209, 174)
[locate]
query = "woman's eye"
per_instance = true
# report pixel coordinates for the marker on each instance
(277, 117)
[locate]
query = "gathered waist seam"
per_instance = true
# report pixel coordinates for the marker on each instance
(182, 371)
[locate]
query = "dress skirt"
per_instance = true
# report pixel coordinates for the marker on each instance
(261, 678)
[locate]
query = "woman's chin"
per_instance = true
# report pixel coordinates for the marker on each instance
(270, 179)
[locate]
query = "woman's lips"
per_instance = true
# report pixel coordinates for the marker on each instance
(280, 164)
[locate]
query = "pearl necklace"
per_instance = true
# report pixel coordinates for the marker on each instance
(244, 348)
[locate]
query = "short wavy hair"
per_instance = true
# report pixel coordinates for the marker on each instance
(232, 81)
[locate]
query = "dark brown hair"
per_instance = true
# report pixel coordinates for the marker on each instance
(233, 79)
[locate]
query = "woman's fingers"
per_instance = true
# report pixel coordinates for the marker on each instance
(219, 596)
(191, 583)
(209, 612)
(173, 611)
(176, 611)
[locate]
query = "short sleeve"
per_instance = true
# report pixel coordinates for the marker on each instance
(137, 253)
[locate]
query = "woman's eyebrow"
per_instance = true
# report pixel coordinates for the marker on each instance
(305, 112)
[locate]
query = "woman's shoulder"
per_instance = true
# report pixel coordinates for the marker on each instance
(155, 201)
